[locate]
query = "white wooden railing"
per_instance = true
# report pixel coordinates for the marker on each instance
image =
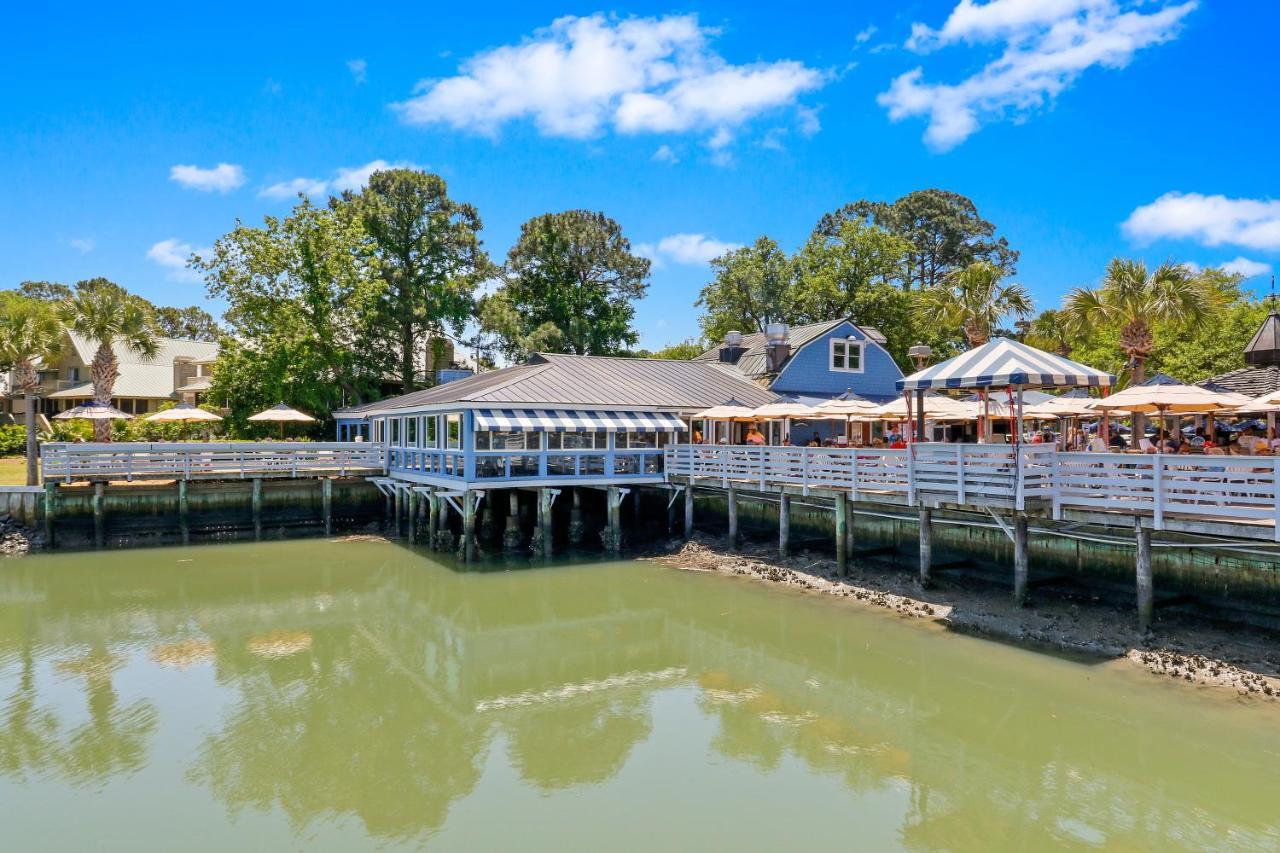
(1236, 488)
(207, 460)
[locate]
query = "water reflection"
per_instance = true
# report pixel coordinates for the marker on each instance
(362, 681)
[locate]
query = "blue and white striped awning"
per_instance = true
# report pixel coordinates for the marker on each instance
(576, 420)
(1002, 362)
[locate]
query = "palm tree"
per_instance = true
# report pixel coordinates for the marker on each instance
(1049, 330)
(1133, 298)
(106, 314)
(974, 301)
(29, 332)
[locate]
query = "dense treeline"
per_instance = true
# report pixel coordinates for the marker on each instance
(354, 299)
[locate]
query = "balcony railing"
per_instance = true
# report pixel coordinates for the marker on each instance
(207, 460)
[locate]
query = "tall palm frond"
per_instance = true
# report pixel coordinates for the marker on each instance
(974, 301)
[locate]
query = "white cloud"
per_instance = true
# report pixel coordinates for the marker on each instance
(866, 34)
(665, 154)
(222, 178)
(172, 254)
(1246, 267)
(290, 189)
(686, 248)
(1048, 44)
(344, 178)
(583, 75)
(83, 245)
(1210, 220)
(359, 69)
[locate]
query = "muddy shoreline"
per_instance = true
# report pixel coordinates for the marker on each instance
(1246, 662)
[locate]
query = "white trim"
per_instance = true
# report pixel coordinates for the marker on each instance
(847, 342)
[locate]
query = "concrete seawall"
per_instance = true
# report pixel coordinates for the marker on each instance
(151, 513)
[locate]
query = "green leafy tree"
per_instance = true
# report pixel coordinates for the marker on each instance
(29, 333)
(570, 285)
(944, 229)
(429, 258)
(751, 289)
(44, 291)
(832, 269)
(1135, 300)
(302, 304)
(107, 315)
(974, 300)
(685, 350)
(192, 323)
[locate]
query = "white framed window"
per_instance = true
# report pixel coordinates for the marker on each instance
(431, 430)
(846, 355)
(453, 431)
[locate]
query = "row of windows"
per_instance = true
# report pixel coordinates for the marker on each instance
(529, 440)
(420, 431)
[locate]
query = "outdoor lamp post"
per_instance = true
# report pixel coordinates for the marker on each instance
(920, 354)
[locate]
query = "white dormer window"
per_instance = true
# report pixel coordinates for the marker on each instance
(846, 355)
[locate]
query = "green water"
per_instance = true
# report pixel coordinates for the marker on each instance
(353, 695)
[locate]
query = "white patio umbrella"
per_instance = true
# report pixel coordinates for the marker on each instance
(936, 407)
(1265, 403)
(782, 410)
(281, 414)
(93, 412)
(1174, 399)
(183, 413)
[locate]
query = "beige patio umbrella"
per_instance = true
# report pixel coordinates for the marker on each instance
(782, 410)
(1172, 399)
(1265, 403)
(183, 413)
(727, 412)
(845, 408)
(281, 414)
(1066, 407)
(936, 407)
(93, 412)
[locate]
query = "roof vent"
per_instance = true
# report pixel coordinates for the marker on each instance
(777, 348)
(731, 350)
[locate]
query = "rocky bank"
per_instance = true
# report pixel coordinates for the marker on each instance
(1244, 661)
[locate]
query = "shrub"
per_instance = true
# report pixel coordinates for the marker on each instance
(13, 439)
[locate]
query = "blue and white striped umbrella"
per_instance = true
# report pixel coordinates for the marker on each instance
(1002, 362)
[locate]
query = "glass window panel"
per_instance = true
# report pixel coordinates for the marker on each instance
(432, 422)
(524, 466)
(560, 466)
(629, 464)
(591, 465)
(483, 440)
(453, 431)
(395, 431)
(411, 432)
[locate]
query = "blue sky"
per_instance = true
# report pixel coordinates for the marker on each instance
(1083, 128)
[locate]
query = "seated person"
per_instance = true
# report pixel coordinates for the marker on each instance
(897, 441)
(754, 436)
(1197, 440)
(1246, 440)
(1117, 442)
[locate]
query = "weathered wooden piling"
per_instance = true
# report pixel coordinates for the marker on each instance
(99, 514)
(613, 532)
(433, 517)
(688, 509)
(256, 506)
(1144, 581)
(50, 511)
(733, 517)
(469, 500)
(1020, 559)
(841, 507)
(413, 516)
(397, 509)
(184, 513)
(546, 497)
(784, 525)
(926, 546)
(511, 537)
(671, 513)
(326, 501)
(576, 527)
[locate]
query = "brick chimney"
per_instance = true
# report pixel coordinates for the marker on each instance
(777, 347)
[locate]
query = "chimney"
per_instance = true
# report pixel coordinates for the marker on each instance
(777, 347)
(731, 350)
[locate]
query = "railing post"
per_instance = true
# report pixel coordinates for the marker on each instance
(1157, 485)
(1055, 487)
(960, 493)
(804, 470)
(724, 466)
(1275, 494)
(853, 474)
(764, 452)
(911, 474)
(1019, 499)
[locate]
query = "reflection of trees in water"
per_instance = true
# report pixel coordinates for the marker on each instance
(112, 741)
(579, 741)
(332, 731)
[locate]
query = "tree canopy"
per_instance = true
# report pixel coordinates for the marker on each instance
(751, 289)
(430, 261)
(570, 284)
(943, 228)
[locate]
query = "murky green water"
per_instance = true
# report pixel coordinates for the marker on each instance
(341, 696)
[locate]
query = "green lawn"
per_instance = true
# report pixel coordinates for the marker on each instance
(13, 470)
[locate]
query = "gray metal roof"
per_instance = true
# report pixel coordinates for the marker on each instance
(1250, 381)
(753, 361)
(550, 379)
